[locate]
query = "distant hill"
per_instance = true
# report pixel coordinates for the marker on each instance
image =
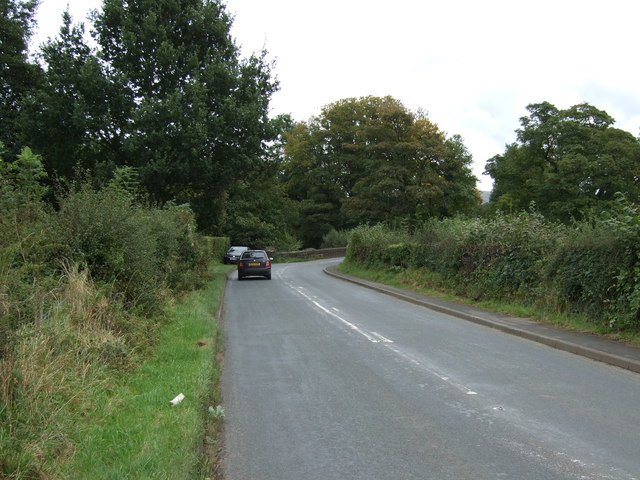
(485, 196)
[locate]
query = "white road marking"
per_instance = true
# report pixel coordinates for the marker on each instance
(372, 337)
(382, 338)
(375, 337)
(463, 388)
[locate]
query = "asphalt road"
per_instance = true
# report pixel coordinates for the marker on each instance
(328, 380)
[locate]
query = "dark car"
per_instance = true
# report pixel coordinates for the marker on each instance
(234, 254)
(254, 263)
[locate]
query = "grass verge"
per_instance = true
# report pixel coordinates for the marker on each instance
(427, 283)
(139, 433)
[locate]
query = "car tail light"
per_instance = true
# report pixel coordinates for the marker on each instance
(267, 263)
(240, 264)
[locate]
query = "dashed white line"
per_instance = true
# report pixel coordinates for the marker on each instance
(375, 337)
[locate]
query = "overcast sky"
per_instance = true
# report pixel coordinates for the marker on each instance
(472, 65)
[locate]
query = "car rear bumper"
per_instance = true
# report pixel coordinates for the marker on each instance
(254, 272)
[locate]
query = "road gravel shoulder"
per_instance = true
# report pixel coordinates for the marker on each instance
(590, 346)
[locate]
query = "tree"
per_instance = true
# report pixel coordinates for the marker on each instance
(163, 91)
(17, 74)
(258, 211)
(197, 114)
(372, 160)
(566, 161)
(69, 117)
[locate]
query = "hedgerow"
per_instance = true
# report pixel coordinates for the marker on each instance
(82, 291)
(589, 267)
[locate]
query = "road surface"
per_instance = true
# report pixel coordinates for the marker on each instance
(328, 380)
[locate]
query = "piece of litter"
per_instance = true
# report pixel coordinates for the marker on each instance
(177, 400)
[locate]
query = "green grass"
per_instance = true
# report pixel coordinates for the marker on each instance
(137, 433)
(427, 283)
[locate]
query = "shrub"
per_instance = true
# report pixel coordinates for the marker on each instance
(366, 243)
(591, 267)
(80, 294)
(504, 254)
(136, 250)
(440, 245)
(216, 247)
(26, 274)
(116, 241)
(585, 266)
(335, 239)
(400, 254)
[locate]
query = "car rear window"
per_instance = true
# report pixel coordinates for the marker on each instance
(253, 255)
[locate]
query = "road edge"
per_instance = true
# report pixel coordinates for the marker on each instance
(486, 320)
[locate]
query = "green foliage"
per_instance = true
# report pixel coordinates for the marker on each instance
(335, 239)
(133, 249)
(17, 75)
(76, 400)
(67, 118)
(566, 161)
(258, 212)
(20, 182)
(368, 244)
(216, 247)
(591, 268)
(81, 293)
(400, 255)
(195, 114)
(371, 160)
(162, 89)
(441, 244)
(24, 237)
(586, 265)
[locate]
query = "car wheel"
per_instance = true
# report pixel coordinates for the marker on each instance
(240, 277)
(268, 277)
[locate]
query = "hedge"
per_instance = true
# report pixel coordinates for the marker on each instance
(589, 267)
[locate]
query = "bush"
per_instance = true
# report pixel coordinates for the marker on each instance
(26, 270)
(216, 247)
(367, 244)
(505, 254)
(116, 241)
(591, 267)
(136, 250)
(585, 266)
(401, 255)
(81, 293)
(335, 239)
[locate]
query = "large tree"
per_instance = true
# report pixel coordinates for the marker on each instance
(198, 112)
(372, 160)
(70, 118)
(17, 74)
(258, 211)
(164, 91)
(566, 161)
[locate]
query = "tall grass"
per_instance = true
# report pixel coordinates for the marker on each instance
(79, 402)
(84, 292)
(141, 435)
(51, 376)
